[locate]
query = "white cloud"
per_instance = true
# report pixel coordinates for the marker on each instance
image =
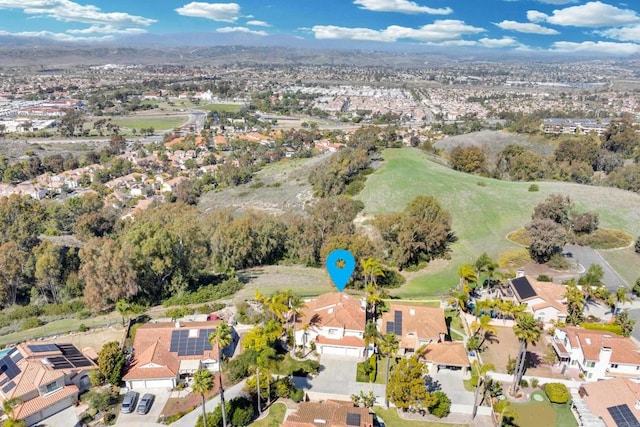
(536, 16)
(107, 29)
(610, 48)
(68, 11)
(498, 43)
(557, 1)
(241, 30)
(55, 36)
(526, 27)
(440, 30)
(223, 12)
(627, 34)
(400, 6)
(592, 14)
(258, 23)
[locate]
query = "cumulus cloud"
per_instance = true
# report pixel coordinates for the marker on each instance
(68, 11)
(610, 48)
(498, 43)
(223, 12)
(627, 34)
(526, 27)
(440, 30)
(401, 6)
(592, 14)
(241, 30)
(258, 23)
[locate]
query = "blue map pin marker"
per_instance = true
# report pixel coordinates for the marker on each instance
(340, 275)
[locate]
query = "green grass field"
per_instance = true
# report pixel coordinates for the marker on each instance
(533, 414)
(156, 122)
(227, 108)
(484, 214)
(391, 419)
(274, 418)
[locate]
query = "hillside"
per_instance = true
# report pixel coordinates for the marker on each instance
(484, 214)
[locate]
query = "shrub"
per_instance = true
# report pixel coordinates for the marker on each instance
(206, 293)
(284, 386)
(534, 382)
(297, 395)
(82, 328)
(30, 323)
(609, 327)
(533, 188)
(557, 392)
(524, 383)
(441, 406)
(514, 258)
(605, 238)
(544, 278)
(373, 365)
(558, 262)
(210, 308)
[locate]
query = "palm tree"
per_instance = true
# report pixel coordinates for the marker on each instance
(528, 331)
(459, 299)
(483, 323)
(373, 300)
(482, 372)
(388, 346)
(221, 337)
(371, 334)
(575, 302)
(202, 383)
(264, 363)
(467, 275)
(618, 298)
(371, 270)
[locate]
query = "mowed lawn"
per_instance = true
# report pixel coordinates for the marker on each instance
(161, 122)
(274, 418)
(226, 108)
(545, 413)
(485, 210)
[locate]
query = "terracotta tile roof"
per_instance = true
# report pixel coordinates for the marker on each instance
(343, 341)
(601, 395)
(424, 322)
(335, 309)
(155, 362)
(331, 413)
(39, 403)
(151, 347)
(623, 350)
(447, 353)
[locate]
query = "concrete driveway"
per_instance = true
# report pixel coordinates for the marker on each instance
(586, 257)
(149, 419)
(337, 380)
(65, 418)
(451, 383)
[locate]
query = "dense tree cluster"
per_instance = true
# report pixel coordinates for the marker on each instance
(468, 159)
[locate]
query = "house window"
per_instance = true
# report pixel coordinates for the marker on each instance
(590, 364)
(614, 365)
(590, 375)
(52, 387)
(333, 331)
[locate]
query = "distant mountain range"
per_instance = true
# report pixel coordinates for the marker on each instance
(219, 48)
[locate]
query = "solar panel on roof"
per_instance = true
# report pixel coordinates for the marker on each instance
(59, 362)
(16, 356)
(523, 287)
(42, 348)
(353, 420)
(185, 345)
(8, 387)
(623, 417)
(8, 367)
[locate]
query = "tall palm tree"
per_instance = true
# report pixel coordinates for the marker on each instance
(202, 383)
(373, 300)
(266, 362)
(618, 298)
(371, 270)
(388, 346)
(482, 372)
(221, 337)
(460, 299)
(371, 335)
(575, 302)
(528, 331)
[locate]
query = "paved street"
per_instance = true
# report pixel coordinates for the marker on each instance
(587, 256)
(338, 376)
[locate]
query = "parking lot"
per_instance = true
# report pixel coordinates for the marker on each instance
(151, 418)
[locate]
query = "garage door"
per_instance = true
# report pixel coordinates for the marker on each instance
(51, 410)
(341, 351)
(140, 384)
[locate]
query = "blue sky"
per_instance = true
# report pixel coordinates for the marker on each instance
(598, 27)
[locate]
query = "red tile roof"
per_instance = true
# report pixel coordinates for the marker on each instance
(623, 350)
(335, 309)
(331, 413)
(447, 353)
(32, 406)
(424, 322)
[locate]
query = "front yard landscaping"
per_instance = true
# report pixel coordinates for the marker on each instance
(538, 412)
(275, 417)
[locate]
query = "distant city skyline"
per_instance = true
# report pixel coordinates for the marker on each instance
(562, 26)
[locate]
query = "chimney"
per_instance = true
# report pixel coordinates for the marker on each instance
(519, 273)
(178, 324)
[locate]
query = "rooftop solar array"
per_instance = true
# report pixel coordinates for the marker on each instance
(523, 288)
(185, 345)
(623, 417)
(74, 356)
(42, 348)
(8, 387)
(59, 362)
(8, 367)
(353, 420)
(395, 327)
